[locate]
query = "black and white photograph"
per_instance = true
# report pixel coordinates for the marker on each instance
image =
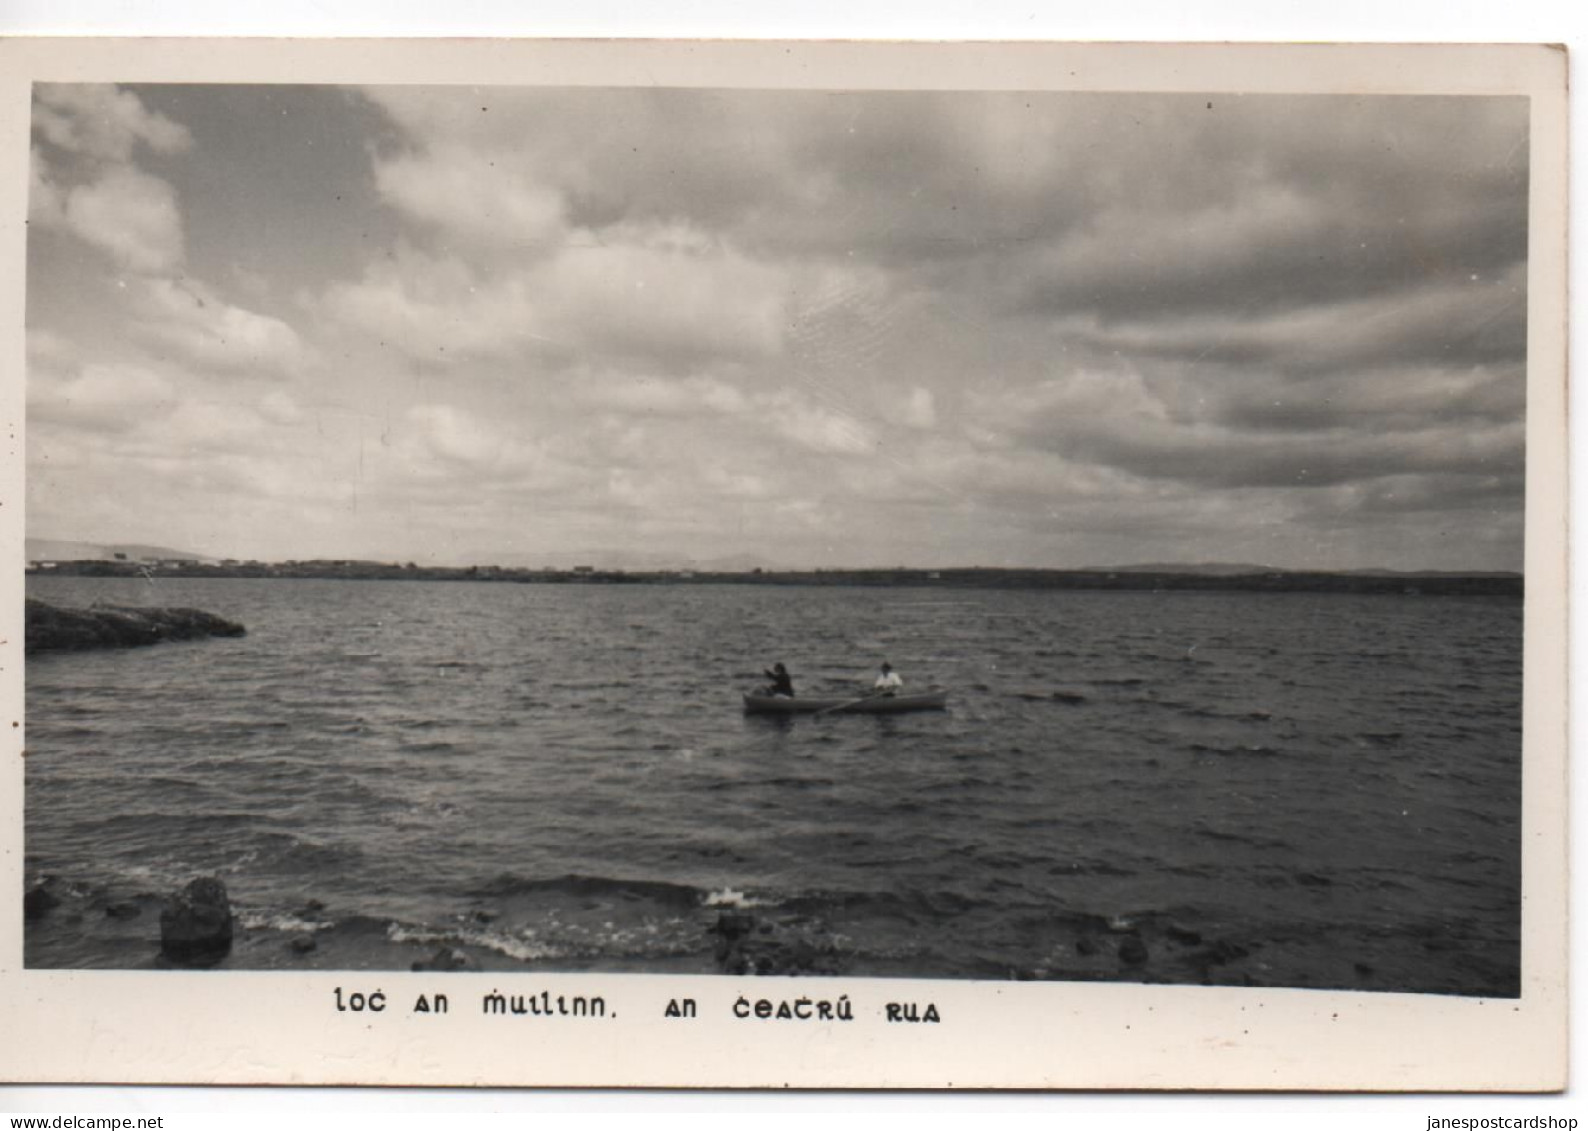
(939, 535)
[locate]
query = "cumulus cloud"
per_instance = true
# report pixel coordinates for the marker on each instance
(187, 316)
(46, 202)
(845, 322)
(440, 451)
(100, 398)
(661, 396)
(103, 122)
(126, 213)
(47, 349)
(1038, 328)
(1105, 200)
(279, 408)
(648, 295)
(469, 195)
(96, 191)
(920, 410)
(456, 436)
(437, 309)
(614, 156)
(661, 292)
(819, 428)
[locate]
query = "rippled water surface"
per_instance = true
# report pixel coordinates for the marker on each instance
(1272, 789)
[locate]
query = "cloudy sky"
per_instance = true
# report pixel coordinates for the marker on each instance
(822, 329)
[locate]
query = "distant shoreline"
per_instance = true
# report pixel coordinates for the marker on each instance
(1126, 580)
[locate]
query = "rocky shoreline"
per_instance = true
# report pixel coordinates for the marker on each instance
(73, 925)
(193, 929)
(52, 628)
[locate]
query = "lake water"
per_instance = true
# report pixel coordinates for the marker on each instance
(1271, 789)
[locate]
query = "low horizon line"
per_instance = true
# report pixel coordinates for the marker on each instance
(1227, 569)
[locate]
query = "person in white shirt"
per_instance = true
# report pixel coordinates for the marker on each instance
(888, 683)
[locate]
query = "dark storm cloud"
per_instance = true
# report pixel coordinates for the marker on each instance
(1212, 459)
(1137, 434)
(1438, 494)
(1325, 301)
(1386, 400)
(1245, 209)
(1470, 322)
(1246, 261)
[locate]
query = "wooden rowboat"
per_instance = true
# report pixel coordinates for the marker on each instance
(757, 704)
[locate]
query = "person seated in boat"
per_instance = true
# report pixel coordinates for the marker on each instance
(781, 683)
(888, 683)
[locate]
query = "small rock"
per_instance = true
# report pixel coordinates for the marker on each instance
(1132, 951)
(444, 961)
(1219, 953)
(302, 944)
(1085, 946)
(1363, 969)
(37, 902)
(734, 924)
(123, 910)
(196, 925)
(1182, 936)
(313, 907)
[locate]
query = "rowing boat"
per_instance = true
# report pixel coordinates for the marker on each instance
(758, 704)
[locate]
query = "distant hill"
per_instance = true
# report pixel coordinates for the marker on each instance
(1243, 569)
(1429, 572)
(632, 561)
(50, 550)
(1199, 569)
(737, 563)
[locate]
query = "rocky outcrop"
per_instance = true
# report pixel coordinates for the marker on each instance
(748, 944)
(196, 925)
(52, 628)
(38, 902)
(445, 960)
(1141, 947)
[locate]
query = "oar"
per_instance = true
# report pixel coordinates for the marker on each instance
(841, 706)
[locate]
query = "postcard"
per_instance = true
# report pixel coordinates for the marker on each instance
(762, 565)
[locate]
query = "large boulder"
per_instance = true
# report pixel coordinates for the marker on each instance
(37, 902)
(196, 925)
(53, 628)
